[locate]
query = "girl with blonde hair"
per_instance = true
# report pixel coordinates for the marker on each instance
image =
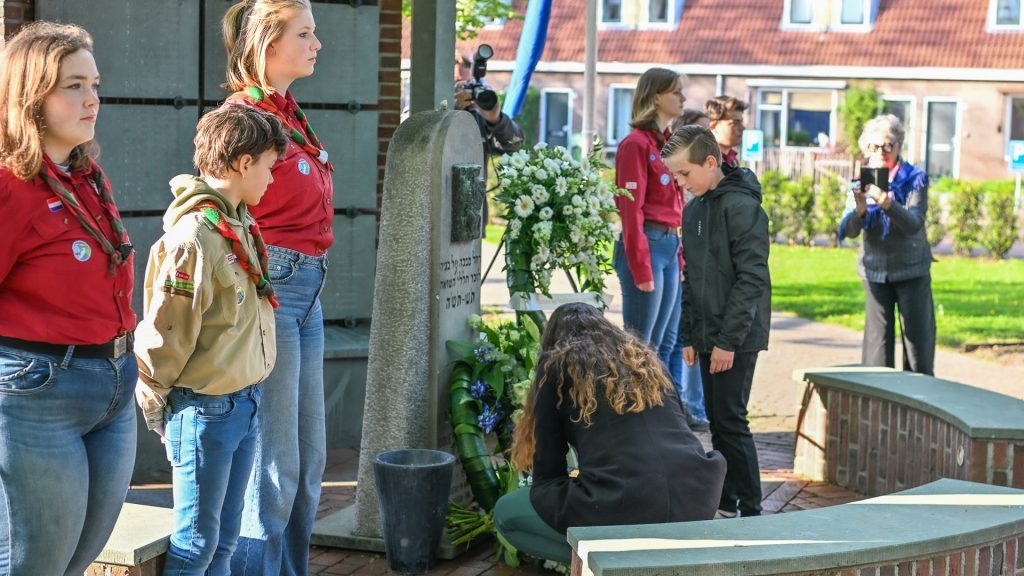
(603, 392)
(646, 257)
(270, 44)
(67, 371)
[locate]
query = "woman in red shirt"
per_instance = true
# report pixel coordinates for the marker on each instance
(270, 44)
(67, 371)
(646, 256)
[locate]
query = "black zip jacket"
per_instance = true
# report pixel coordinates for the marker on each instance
(727, 290)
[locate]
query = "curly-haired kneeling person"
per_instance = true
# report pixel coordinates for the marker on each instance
(605, 393)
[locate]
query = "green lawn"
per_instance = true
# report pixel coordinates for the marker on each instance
(976, 300)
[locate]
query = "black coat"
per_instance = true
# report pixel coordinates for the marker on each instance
(727, 290)
(634, 468)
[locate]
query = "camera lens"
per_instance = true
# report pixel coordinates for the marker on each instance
(484, 51)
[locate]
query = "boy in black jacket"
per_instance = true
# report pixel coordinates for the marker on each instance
(726, 299)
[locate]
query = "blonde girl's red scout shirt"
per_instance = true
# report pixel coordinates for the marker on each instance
(656, 197)
(297, 212)
(56, 285)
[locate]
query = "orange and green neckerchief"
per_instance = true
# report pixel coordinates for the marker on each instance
(255, 96)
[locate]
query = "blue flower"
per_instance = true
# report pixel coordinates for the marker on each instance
(483, 353)
(478, 390)
(489, 419)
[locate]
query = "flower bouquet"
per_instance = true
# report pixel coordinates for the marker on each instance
(560, 214)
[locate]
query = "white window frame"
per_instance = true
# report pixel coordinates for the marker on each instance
(784, 112)
(787, 24)
(675, 9)
(837, 24)
(911, 125)
(1007, 125)
(621, 24)
(992, 26)
(958, 135)
(610, 115)
(544, 107)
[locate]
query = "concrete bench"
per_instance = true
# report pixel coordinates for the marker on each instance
(138, 544)
(345, 354)
(945, 527)
(878, 430)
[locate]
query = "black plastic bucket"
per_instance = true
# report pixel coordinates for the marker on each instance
(412, 490)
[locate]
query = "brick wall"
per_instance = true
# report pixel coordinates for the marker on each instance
(999, 558)
(879, 447)
(390, 83)
(16, 13)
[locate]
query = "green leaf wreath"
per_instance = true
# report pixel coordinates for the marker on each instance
(489, 382)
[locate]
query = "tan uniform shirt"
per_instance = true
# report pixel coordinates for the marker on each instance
(204, 326)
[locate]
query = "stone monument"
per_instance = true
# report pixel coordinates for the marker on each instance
(427, 285)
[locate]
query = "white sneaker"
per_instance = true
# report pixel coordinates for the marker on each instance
(722, 514)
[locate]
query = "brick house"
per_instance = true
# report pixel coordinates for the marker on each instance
(953, 70)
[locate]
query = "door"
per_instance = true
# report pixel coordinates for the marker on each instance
(557, 121)
(942, 137)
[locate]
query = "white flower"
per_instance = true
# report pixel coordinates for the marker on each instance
(567, 210)
(561, 185)
(540, 194)
(540, 146)
(524, 206)
(528, 171)
(510, 172)
(513, 229)
(541, 174)
(546, 213)
(574, 234)
(542, 230)
(518, 161)
(543, 253)
(505, 182)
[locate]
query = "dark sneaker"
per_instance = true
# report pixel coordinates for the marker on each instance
(700, 426)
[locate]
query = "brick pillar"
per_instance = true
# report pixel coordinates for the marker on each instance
(390, 81)
(16, 13)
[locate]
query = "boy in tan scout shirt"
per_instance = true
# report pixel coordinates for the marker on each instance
(207, 337)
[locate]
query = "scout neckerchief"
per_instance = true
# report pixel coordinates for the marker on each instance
(257, 271)
(119, 255)
(255, 96)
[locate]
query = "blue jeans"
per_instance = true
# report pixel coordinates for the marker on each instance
(291, 453)
(66, 457)
(210, 443)
(687, 381)
(652, 316)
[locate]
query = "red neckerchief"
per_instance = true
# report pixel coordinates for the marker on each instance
(119, 254)
(254, 96)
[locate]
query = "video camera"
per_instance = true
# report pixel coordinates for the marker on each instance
(484, 97)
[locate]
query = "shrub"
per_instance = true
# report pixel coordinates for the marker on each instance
(860, 104)
(964, 214)
(934, 223)
(771, 201)
(798, 210)
(1000, 228)
(829, 208)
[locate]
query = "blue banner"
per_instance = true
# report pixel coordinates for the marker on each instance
(531, 46)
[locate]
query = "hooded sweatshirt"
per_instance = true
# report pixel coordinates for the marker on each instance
(727, 287)
(204, 326)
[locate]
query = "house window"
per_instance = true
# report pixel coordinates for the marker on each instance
(796, 118)
(1007, 13)
(1016, 117)
(901, 108)
(851, 12)
(611, 11)
(800, 12)
(620, 110)
(657, 11)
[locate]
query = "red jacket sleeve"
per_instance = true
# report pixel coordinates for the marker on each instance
(631, 175)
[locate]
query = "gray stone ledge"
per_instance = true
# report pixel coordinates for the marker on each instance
(939, 517)
(981, 414)
(140, 534)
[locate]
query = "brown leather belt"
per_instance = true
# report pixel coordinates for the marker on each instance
(663, 228)
(123, 344)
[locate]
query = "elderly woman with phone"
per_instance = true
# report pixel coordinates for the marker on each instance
(888, 205)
